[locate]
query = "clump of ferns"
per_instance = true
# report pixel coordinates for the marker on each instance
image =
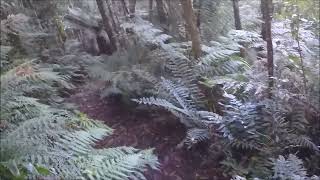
(290, 167)
(129, 73)
(63, 143)
(182, 105)
(297, 111)
(290, 93)
(255, 134)
(23, 86)
(224, 56)
(248, 142)
(40, 136)
(279, 129)
(46, 137)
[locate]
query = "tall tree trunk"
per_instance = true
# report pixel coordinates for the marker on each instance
(161, 11)
(125, 7)
(191, 27)
(266, 5)
(302, 68)
(132, 6)
(112, 16)
(106, 24)
(236, 11)
(264, 16)
(198, 5)
(150, 9)
(117, 9)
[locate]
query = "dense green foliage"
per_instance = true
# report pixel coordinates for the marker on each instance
(48, 51)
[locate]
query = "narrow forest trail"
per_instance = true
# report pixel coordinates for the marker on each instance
(145, 129)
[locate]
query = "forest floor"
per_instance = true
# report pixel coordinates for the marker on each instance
(141, 128)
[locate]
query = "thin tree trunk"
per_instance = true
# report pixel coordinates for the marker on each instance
(150, 9)
(267, 7)
(132, 6)
(113, 9)
(106, 24)
(117, 10)
(297, 38)
(161, 12)
(112, 16)
(199, 15)
(302, 67)
(263, 25)
(236, 12)
(191, 27)
(125, 7)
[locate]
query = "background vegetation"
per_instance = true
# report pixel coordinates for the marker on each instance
(240, 76)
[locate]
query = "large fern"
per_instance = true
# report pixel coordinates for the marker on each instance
(186, 110)
(28, 79)
(39, 135)
(58, 142)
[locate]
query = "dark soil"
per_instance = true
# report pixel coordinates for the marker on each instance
(142, 128)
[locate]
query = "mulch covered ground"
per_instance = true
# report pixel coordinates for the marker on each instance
(142, 128)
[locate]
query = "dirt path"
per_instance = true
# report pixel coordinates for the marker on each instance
(145, 129)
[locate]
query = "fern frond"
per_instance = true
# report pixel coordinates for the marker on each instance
(17, 109)
(80, 142)
(290, 168)
(185, 110)
(69, 153)
(4, 51)
(118, 163)
(176, 62)
(196, 135)
(159, 102)
(303, 141)
(187, 76)
(180, 93)
(245, 145)
(22, 77)
(244, 37)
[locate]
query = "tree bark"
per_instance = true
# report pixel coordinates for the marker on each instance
(236, 12)
(132, 6)
(150, 9)
(199, 15)
(125, 7)
(266, 5)
(112, 16)
(197, 5)
(302, 68)
(161, 11)
(106, 24)
(191, 27)
(264, 16)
